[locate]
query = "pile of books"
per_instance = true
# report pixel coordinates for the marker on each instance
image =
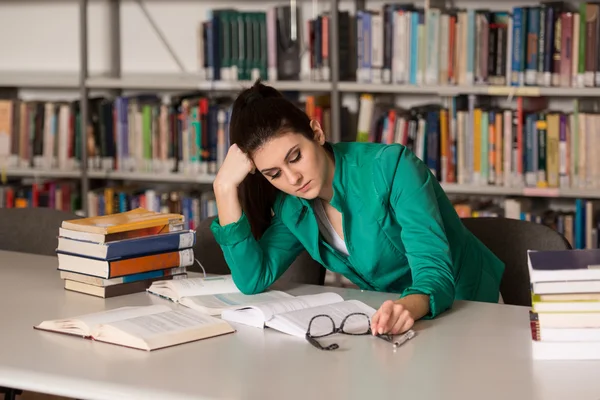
(123, 253)
(565, 312)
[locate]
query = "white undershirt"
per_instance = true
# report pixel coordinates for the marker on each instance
(327, 230)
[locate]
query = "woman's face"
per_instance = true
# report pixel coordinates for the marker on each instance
(295, 164)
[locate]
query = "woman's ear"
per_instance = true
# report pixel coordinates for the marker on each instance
(317, 131)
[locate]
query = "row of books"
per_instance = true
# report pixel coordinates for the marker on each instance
(236, 45)
(469, 140)
(56, 194)
(194, 205)
(550, 44)
(579, 224)
(565, 307)
(186, 134)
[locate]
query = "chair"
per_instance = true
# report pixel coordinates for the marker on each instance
(509, 240)
(31, 230)
(303, 270)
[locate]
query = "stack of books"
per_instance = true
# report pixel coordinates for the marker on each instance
(123, 253)
(565, 312)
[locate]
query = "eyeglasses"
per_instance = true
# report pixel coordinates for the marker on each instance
(354, 324)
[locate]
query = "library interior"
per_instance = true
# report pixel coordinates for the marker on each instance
(295, 199)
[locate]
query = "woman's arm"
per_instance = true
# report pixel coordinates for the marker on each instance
(414, 203)
(254, 265)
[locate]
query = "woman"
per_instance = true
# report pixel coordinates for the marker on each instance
(372, 212)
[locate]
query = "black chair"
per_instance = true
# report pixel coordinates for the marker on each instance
(31, 230)
(510, 239)
(303, 270)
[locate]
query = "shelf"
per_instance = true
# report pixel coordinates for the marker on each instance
(153, 177)
(41, 173)
(194, 82)
(449, 90)
(39, 80)
(452, 188)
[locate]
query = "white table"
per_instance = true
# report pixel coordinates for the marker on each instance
(475, 351)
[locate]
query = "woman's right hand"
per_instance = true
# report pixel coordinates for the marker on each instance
(234, 169)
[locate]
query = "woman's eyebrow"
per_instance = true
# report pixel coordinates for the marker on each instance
(284, 159)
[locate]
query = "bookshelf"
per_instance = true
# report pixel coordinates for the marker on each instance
(343, 84)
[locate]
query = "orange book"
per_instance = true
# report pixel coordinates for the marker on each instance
(137, 219)
(108, 269)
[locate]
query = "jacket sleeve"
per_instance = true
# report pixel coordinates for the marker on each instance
(255, 265)
(414, 202)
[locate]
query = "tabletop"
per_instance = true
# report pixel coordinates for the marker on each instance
(473, 351)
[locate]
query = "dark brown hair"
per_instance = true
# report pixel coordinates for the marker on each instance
(259, 114)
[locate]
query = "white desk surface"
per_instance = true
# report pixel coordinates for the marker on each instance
(475, 351)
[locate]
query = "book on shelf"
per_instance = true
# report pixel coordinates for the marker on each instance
(565, 315)
(145, 327)
(293, 315)
(211, 295)
(276, 44)
(549, 44)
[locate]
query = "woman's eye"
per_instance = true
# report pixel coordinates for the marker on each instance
(297, 158)
(274, 176)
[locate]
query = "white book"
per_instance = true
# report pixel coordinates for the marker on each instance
(293, 316)
(260, 315)
(145, 328)
(211, 295)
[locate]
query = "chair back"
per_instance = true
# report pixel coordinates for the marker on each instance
(303, 270)
(509, 240)
(31, 230)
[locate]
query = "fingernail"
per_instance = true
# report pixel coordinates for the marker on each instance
(381, 331)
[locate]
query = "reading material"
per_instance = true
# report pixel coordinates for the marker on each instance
(292, 316)
(210, 295)
(145, 328)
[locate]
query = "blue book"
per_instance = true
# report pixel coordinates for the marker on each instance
(564, 265)
(127, 248)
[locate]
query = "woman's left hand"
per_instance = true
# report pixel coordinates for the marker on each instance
(392, 318)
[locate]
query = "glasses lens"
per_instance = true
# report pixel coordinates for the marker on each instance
(321, 325)
(356, 324)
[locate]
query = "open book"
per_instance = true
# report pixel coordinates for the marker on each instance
(211, 295)
(292, 316)
(145, 328)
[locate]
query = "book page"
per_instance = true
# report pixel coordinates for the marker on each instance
(296, 322)
(215, 304)
(83, 324)
(272, 308)
(172, 321)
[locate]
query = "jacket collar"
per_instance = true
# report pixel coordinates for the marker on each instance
(339, 194)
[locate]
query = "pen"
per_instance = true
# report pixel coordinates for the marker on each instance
(407, 336)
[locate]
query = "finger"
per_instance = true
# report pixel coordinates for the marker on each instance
(404, 319)
(374, 322)
(394, 316)
(409, 323)
(386, 309)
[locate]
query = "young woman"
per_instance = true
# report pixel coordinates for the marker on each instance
(372, 212)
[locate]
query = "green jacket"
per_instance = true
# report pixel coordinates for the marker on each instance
(401, 231)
